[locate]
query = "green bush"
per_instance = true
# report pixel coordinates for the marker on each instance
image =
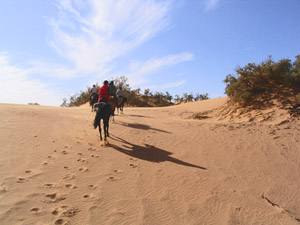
(134, 97)
(258, 84)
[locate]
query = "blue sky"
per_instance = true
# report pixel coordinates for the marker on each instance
(53, 49)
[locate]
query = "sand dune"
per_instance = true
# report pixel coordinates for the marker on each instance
(161, 166)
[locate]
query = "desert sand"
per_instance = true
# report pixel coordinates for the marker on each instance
(160, 167)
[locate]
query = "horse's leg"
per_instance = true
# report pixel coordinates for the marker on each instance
(114, 108)
(104, 128)
(107, 126)
(100, 130)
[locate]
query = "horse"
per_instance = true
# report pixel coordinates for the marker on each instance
(103, 111)
(93, 99)
(120, 105)
(113, 103)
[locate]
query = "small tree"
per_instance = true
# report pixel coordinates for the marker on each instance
(200, 97)
(168, 97)
(147, 92)
(121, 82)
(177, 98)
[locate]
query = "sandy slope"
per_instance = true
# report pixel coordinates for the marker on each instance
(160, 168)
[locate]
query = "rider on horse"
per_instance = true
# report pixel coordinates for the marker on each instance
(120, 94)
(104, 94)
(93, 91)
(112, 90)
(112, 95)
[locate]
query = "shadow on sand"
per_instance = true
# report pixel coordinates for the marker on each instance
(141, 127)
(140, 116)
(149, 153)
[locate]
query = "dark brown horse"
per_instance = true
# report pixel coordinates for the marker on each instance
(93, 99)
(120, 105)
(103, 111)
(113, 104)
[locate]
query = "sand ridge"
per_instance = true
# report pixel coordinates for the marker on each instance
(161, 167)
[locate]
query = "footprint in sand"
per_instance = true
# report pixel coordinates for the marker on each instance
(95, 156)
(52, 198)
(117, 171)
(45, 164)
(68, 177)
(58, 211)
(132, 159)
(49, 185)
(70, 186)
(132, 165)
(3, 190)
(92, 149)
(87, 196)
(64, 152)
(83, 169)
(28, 171)
(35, 210)
(70, 212)
(92, 208)
(66, 167)
(81, 160)
(61, 222)
(79, 153)
(65, 212)
(112, 178)
(91, 186)
(21, 180)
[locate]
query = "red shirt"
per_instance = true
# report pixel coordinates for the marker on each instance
(103, 92)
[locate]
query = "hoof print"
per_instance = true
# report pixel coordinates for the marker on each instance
(49, 185)
(91, 186)
(35, 210)
(21, 180)
(61, 222)
(132, 165)
(52, 198)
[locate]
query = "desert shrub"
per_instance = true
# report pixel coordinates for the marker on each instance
(121, 82)
(201, 97)
(134, 97)
(258, 84)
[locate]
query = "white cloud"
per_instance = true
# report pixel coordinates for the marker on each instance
(166, 86)
(16, 86)
(93, 33)
(138, 72)
(211, 4)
